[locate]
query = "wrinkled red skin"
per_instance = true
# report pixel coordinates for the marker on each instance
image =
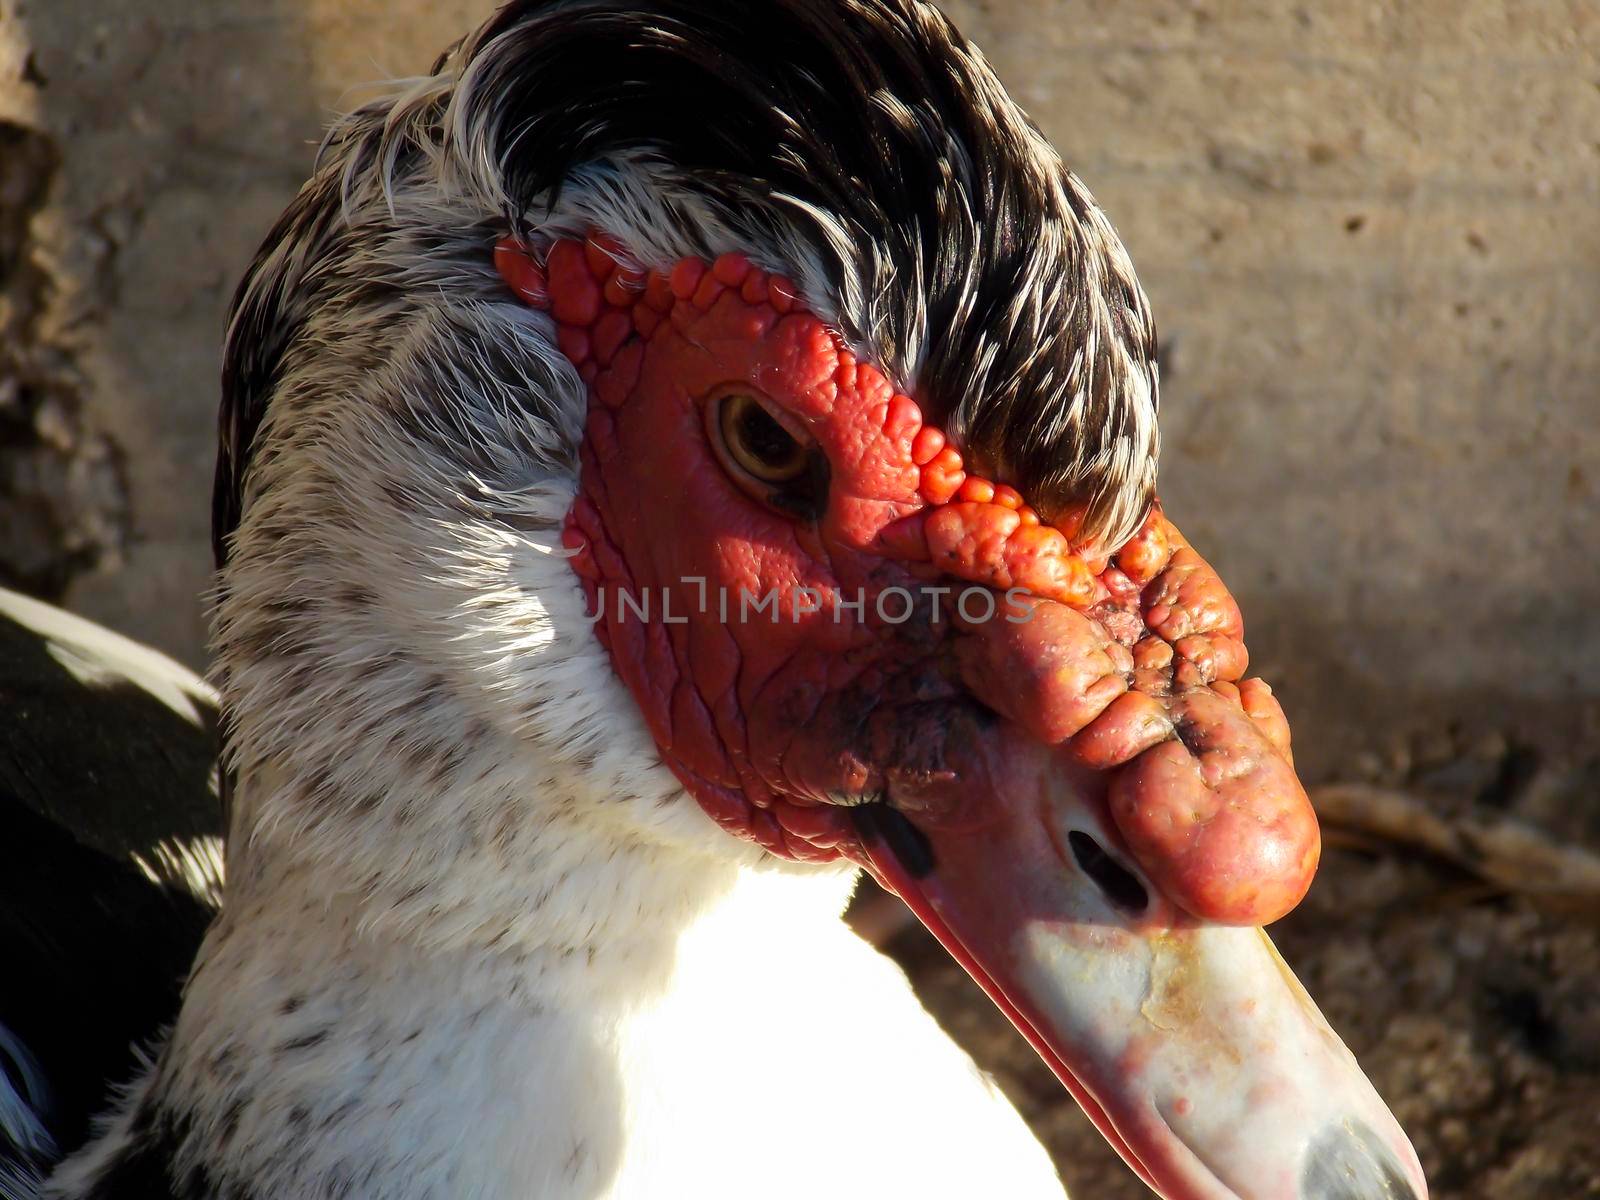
(1131, 664)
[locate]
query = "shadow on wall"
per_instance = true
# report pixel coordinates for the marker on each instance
(177, 132)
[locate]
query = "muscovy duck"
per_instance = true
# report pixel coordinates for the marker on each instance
(675, 455)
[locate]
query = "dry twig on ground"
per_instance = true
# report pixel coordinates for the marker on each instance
(1500, 850)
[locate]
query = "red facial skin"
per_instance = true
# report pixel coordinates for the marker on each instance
(1132, 663)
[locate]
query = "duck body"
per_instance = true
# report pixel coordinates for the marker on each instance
(109, 868)
(361, 1063)
(660, 1060)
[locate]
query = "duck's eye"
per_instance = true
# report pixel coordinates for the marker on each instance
(756, 442)
(765, 460)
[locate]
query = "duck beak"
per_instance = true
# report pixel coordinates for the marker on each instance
(1190, 1044)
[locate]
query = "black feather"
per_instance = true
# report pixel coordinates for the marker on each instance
(880, 114)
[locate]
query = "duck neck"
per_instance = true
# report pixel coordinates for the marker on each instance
(464, 1045)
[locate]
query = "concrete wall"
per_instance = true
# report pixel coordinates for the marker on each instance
(1370, 231)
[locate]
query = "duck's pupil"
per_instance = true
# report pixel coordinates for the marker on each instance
(764, 438)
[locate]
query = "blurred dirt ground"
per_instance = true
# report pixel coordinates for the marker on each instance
(1371, 234)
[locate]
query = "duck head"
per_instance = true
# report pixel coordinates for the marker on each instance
(832, 396)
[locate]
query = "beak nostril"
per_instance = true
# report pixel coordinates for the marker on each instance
(1119, 884)
(1347, 1162)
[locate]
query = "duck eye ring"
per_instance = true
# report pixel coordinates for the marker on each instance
(784, 470)
(754, 440)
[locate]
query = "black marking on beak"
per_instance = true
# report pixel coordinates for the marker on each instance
(908, 843)
(1347, 1162)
